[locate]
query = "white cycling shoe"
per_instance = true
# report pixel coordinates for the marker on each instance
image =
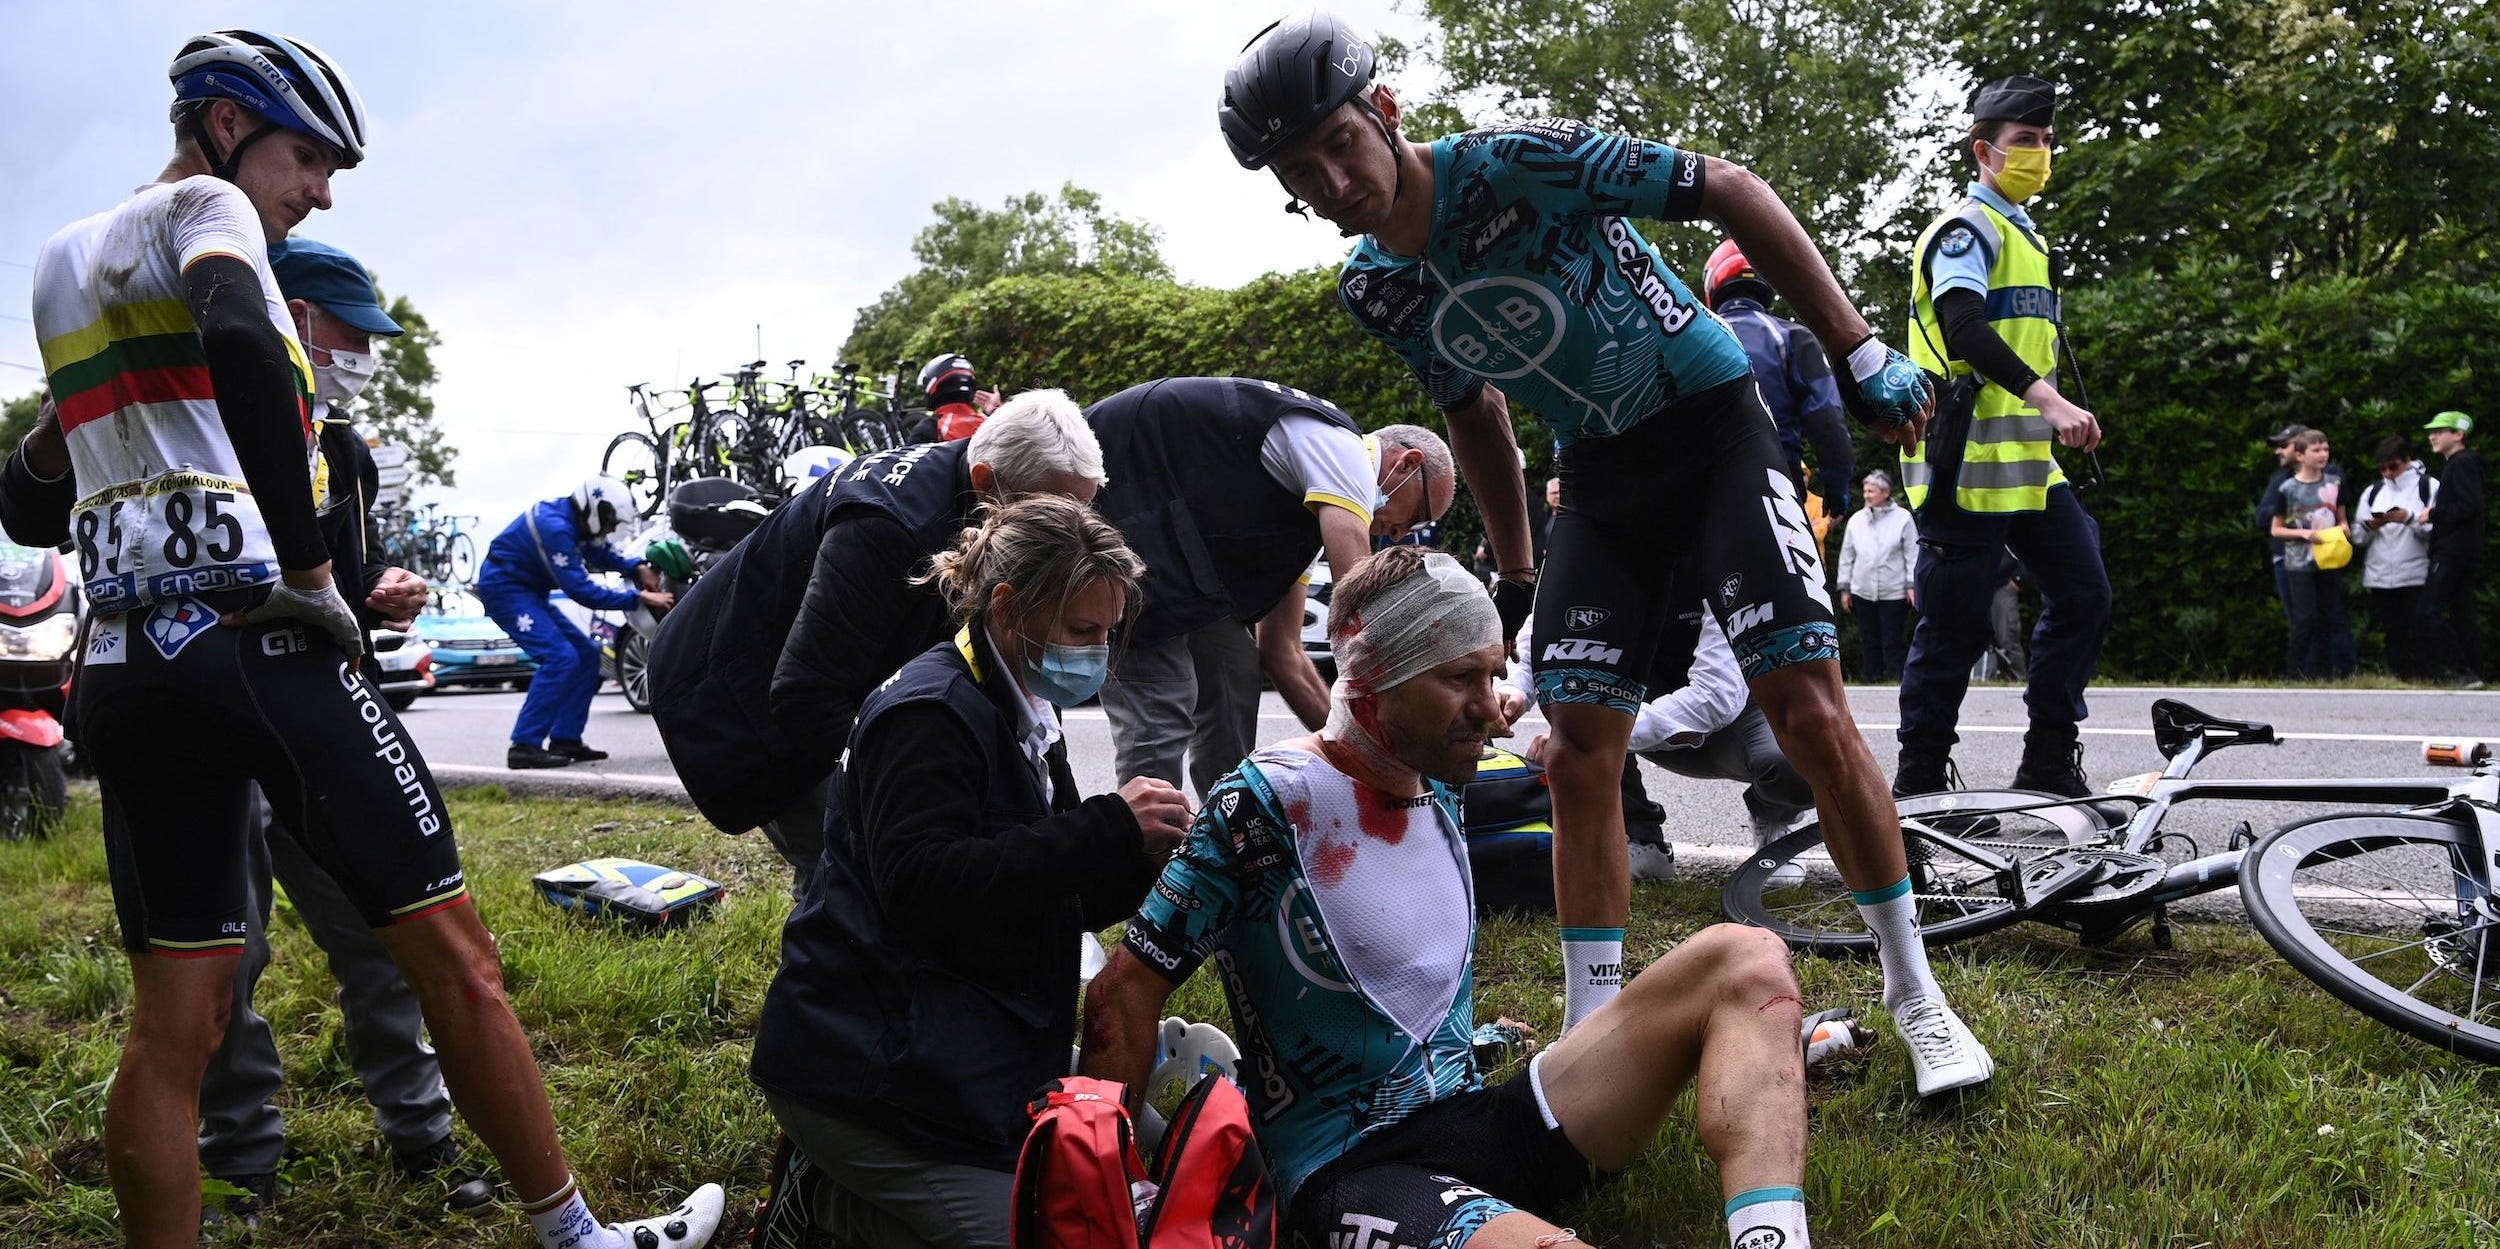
(1943, 1053)
(689, 1226)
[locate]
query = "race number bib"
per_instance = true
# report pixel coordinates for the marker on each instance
(174, 534)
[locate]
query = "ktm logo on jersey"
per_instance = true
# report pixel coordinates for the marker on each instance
(1577, 649)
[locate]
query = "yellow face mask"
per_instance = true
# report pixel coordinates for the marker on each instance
(2025, 174)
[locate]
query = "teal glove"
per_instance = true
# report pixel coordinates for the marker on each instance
(1887, 391)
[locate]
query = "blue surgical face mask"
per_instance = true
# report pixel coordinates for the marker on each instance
(1068, 675)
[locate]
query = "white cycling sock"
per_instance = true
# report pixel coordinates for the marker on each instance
(1892, 915)
(1592, 971)
(1767, 1218)
(562, 1221)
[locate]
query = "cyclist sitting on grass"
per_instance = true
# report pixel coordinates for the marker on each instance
(1328, 880)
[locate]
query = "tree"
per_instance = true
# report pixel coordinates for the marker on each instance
(399, 404)
(1813, 95)
(17, 419)
(2304, 138)
(969, 246)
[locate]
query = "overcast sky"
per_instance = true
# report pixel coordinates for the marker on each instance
(581, 196)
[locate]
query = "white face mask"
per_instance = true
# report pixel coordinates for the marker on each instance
(345, 376)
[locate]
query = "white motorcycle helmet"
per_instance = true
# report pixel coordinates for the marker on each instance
(604, 502)
(802, 467)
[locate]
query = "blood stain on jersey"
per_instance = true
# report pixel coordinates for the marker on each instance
(1329, 862)
(1383, 817)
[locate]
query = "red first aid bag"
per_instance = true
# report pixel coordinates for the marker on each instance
(1081, 1185)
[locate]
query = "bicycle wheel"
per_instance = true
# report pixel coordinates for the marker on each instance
(2394, 915)
(462, 559)
(1958, 896)
(634, 459)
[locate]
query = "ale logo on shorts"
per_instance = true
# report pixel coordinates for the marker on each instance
(1583, 619)
(1730, 588)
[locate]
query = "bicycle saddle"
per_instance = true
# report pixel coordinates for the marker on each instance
(2175, 724)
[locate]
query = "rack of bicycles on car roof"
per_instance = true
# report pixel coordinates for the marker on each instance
(745, 425)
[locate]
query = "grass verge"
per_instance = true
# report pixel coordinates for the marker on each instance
(2205, 1096)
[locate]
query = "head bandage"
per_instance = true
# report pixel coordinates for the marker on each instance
(1418, 624)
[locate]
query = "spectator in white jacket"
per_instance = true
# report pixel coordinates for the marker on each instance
(1705, 725)
(1878, 554)
(2392, 528)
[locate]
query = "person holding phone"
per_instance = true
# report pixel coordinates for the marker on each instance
(2394, 535)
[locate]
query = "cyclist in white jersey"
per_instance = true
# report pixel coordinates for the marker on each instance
(1326, 879)
(184, 402)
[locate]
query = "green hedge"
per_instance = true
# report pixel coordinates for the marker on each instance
(2188, 375)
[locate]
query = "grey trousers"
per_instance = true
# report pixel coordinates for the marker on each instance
(1195, 695)
(241, 1131)
(1745, 751)
(880, 1195)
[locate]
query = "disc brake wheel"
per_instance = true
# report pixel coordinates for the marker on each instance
(1957, 896)
(2394, 915)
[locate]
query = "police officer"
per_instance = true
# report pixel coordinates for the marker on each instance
(1790, 370)
(1985, 317)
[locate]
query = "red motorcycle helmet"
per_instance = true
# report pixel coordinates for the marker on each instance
(1728, 268)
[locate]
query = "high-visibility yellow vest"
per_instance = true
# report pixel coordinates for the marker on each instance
(2007, 460)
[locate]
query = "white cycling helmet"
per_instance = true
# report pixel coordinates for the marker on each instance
(604, 502)
(805, 465)
(287, 82)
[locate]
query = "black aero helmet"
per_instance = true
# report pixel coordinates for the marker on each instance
(947, 379)
(1288, 77)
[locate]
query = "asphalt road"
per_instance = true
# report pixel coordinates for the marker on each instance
(2340, 733)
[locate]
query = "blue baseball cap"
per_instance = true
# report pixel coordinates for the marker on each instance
(317, 273)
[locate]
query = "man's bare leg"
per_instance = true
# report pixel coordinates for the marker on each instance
(152, 1116)
(1720, 1012)
(450, 961)
(1809, 716)
(1592, 867)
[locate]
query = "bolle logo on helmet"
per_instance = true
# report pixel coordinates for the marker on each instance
(1351, 63)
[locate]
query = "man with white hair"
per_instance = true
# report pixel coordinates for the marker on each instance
(758, 673)
(1327, 879)
(1226, 487)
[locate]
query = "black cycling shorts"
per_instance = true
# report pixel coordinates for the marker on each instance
(1432, 1179)
(1706, 477)
(181, 716)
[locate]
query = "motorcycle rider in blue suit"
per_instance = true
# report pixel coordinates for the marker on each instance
(554, 546)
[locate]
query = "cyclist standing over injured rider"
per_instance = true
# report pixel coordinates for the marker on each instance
(184, 403)
(1508, 255)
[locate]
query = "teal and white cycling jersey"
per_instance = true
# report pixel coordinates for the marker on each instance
(1276, 896)
(1534, 278)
